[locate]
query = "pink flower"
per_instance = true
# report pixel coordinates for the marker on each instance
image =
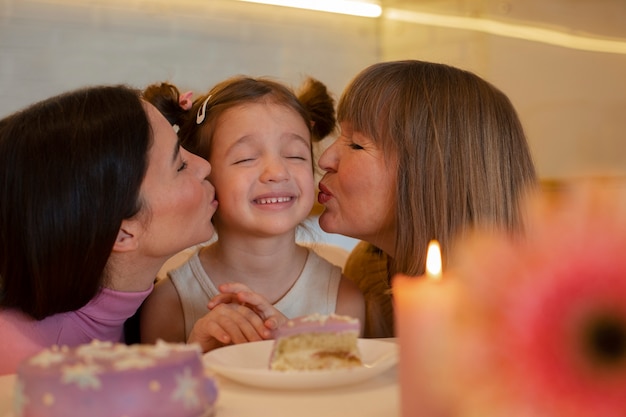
(541, 321)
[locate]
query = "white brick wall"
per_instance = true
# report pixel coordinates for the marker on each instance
(571, 102)
(50, 46)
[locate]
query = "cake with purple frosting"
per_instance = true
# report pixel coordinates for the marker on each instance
(104, 379)
(316, 342)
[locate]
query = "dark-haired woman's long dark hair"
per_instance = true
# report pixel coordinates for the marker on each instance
(71, 168)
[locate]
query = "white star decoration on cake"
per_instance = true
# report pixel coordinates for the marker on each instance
(186, 389)
(84, 376)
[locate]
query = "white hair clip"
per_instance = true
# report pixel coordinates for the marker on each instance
(202, 111)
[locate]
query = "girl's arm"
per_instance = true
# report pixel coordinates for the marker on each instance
(162, 315)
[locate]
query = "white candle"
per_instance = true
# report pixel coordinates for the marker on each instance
(423, 307)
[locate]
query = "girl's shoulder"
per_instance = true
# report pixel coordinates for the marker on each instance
(333, 254)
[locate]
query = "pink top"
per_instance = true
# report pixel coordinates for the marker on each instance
(101, 318)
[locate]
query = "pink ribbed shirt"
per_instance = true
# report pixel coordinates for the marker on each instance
(102, 318)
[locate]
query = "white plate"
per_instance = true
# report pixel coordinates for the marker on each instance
(248, 363)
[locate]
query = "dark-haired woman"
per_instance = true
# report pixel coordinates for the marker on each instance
(96, 193)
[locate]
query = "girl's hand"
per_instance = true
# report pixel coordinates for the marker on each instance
(242, 294)
(228, 323)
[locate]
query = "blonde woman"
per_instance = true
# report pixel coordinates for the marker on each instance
(426, 151)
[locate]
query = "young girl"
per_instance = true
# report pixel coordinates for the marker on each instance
(257, 135)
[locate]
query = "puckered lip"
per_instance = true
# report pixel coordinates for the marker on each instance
(212, 196)
(324, 190)
(324, 196)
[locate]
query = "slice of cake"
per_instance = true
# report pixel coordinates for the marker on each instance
(104, 379)
(316, 342)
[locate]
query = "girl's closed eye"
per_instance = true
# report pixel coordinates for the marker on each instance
(300, 157)
(297, 149)
(242, 160)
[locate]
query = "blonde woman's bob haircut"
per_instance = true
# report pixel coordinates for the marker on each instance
(461, 153)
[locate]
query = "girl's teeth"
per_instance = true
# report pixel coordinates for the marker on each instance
(274, 200)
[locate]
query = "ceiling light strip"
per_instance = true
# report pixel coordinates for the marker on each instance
(493, 27)
(351, 7)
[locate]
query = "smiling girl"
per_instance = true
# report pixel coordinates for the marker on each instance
(257, 135)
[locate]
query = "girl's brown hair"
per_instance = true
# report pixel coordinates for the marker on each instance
(313, 102)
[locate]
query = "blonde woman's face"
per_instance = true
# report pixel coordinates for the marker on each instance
(358, 190)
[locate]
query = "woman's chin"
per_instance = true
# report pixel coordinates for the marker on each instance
(330, 223)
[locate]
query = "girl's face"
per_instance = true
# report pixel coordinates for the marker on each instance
(358, 190)
(178, 197)
(262, 170)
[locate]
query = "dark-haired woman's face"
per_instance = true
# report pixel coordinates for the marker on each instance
(358, 190)
(176, 192)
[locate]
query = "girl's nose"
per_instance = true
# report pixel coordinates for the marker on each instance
(275, 170)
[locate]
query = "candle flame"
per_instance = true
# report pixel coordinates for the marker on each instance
(433, 260)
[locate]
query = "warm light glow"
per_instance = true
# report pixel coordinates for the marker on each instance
(525, 32)
(433, 260)
(351, 7)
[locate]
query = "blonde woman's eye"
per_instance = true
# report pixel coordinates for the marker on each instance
(182, 166)
(355, 146)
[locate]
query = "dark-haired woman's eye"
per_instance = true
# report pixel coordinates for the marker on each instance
(183, 166)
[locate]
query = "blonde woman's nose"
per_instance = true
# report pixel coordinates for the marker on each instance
(328, 159)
